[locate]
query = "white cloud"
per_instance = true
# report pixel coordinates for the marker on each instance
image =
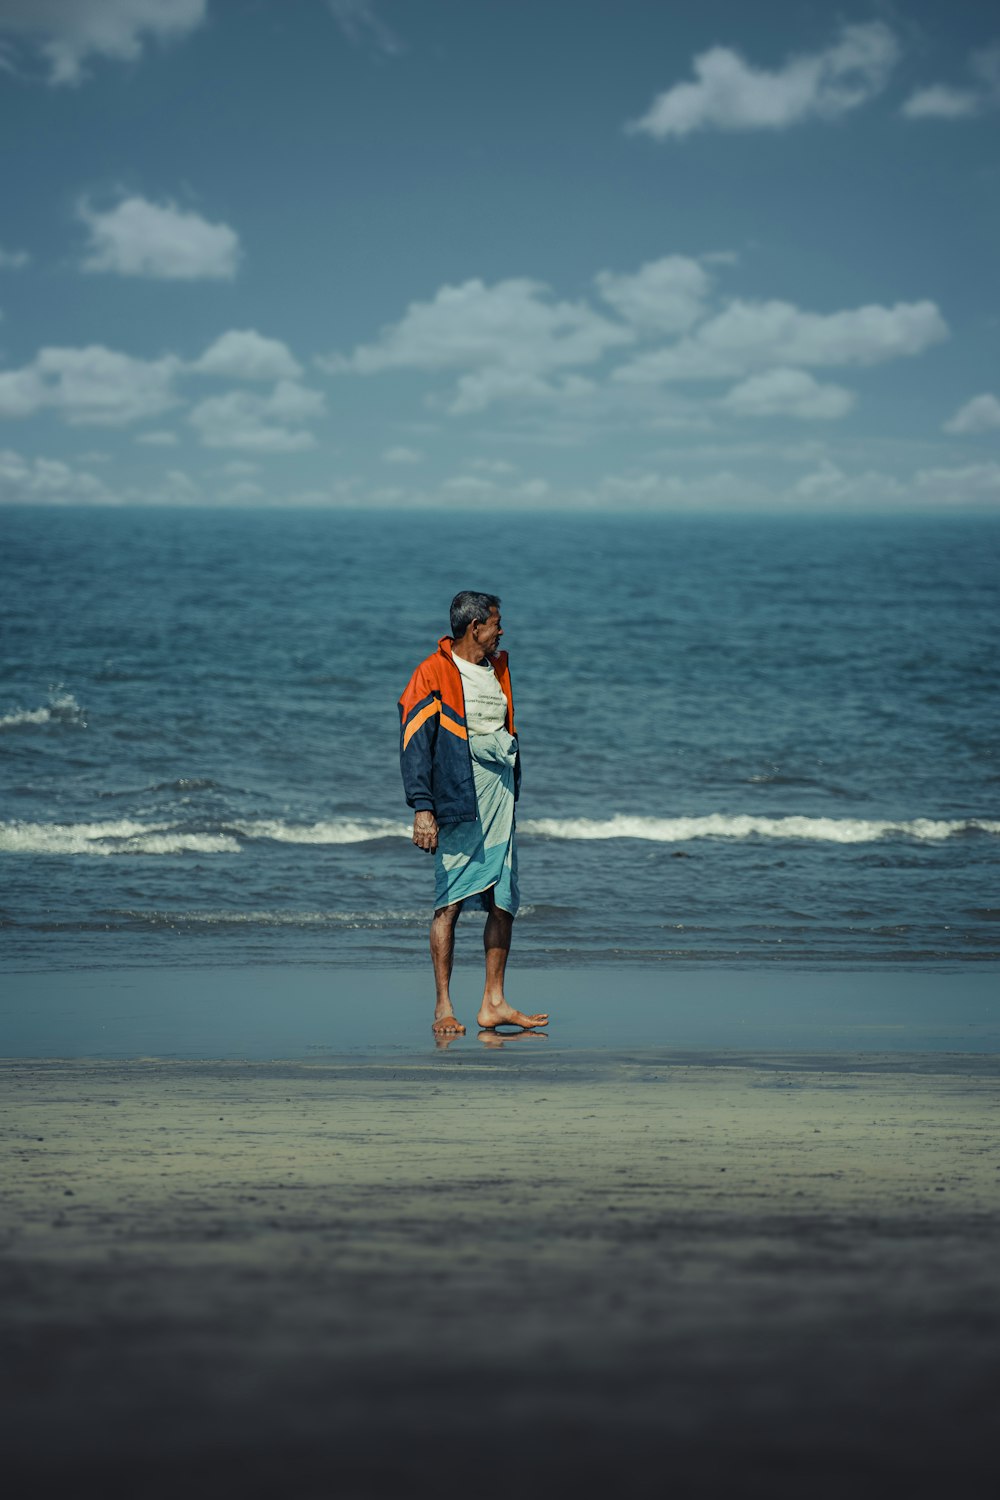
(493, 466)
(90, 386)
(239, 468)
(242, 492)
(13, 260)
(67, 32)
(175, 488)
(533, 489)
(826, 488)
(264, 424)
(402, 456)
(477, 391)
(981, 414)
(511, 326)
(748, 335)
(787, 393)
(360, 23)
(22, 392)
(159, 439)
(139, 238)
(977, 486)
(244, 354)
(473, 486)
(48, 481)
(943, 101)
(730, 94)
(663, 296)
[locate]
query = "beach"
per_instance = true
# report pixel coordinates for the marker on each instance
(504, 1266)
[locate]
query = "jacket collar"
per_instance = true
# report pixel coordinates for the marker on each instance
(496, 661)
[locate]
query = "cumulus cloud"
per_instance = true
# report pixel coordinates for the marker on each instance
(48, 481)
(239, 468)
(68, 32)
(140, 238)
(663, 296)
(974, 487)
(514, 343)
(945, 101)
(787, 393)
(402, 456)
(474, 487)
(826, 487)
(243, 492)
(512, 325)
(493, 466)
(244, 354)
(13, 260)
(729, 93)
(91, 386)
(264, 424)
(748, 335)
(362, 25)
(981, 414)
(481, 388)
(939, 101)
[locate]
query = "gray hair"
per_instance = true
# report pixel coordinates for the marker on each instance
(468, 608)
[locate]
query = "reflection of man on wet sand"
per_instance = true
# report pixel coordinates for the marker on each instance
(461, 773)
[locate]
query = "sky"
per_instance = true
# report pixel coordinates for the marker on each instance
(590, 254)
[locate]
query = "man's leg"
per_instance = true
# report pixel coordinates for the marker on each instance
(443, 957)
(494, 1010)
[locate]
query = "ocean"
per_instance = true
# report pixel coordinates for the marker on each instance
(746, 741)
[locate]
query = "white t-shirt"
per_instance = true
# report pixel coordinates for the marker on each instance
(485, 704)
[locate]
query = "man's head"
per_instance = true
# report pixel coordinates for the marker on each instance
(475, 618)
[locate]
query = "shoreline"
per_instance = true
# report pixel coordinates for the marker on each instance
(311, 1012)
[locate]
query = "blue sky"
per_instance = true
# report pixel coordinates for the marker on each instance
(531, 253)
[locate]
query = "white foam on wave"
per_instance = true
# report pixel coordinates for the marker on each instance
(62, 708)
(126, 836)
(724, 826)
(121, 836)
(331, 831)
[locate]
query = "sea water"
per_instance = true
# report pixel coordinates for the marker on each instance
(745, 740)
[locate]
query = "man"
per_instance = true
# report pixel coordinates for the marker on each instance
(461, 769)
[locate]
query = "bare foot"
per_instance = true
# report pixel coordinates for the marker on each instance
(500, 1039)
(499, 1013)
(447, 1025)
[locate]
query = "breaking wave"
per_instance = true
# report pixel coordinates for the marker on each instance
(62, 708)
(332, 831)
(724, 826)
(127, 836)
(123, 836)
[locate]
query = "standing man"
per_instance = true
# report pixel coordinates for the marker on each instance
(461, 773)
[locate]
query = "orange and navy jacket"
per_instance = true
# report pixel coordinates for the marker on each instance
(434, 741)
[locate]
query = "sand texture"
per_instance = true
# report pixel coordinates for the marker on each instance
(515, 1273)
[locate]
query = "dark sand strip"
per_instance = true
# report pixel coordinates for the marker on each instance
(649, 1274)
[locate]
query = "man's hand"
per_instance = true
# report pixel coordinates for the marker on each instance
(425, 831)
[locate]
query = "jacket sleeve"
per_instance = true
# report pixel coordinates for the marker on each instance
(419, 716)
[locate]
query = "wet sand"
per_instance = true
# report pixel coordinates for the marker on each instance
(491, 1272)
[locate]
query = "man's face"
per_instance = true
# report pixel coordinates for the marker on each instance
(488, 634)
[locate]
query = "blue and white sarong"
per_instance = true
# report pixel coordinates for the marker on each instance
(473, 858)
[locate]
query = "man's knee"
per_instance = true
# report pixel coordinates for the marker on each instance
(448, 914)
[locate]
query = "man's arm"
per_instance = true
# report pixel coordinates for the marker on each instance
(419, 716)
